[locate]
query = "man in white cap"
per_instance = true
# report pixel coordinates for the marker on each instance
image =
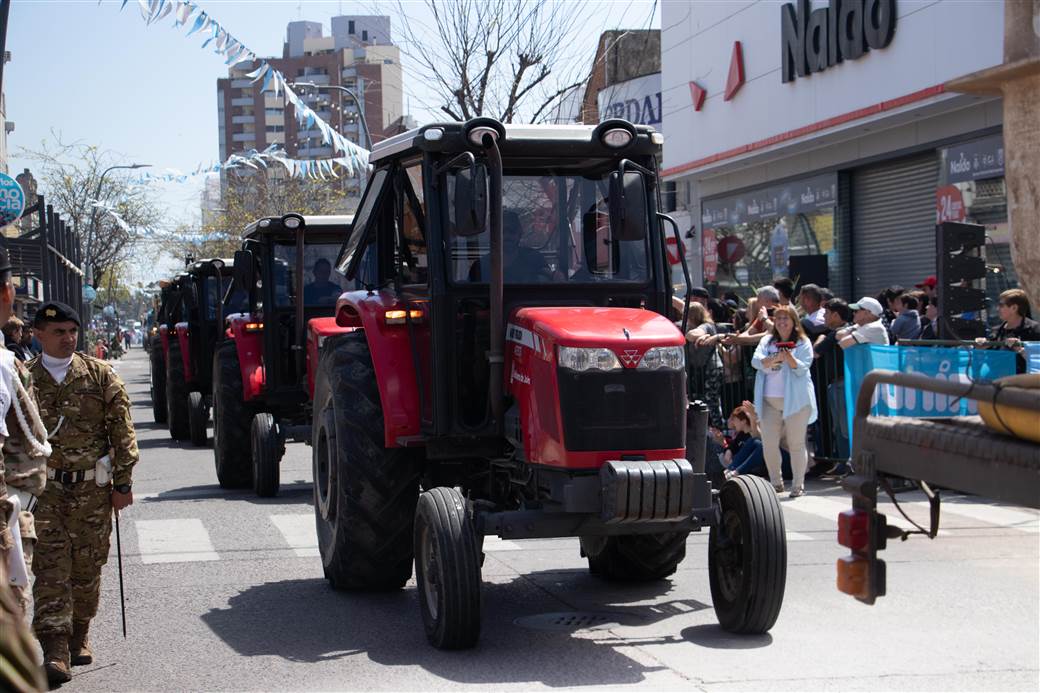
(867, 327)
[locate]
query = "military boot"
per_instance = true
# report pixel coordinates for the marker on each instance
(56, 658)
(79, 645)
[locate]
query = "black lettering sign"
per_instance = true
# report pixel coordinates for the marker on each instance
(813, 40)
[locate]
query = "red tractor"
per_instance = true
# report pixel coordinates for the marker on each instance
(279, 310)
(157, 344)
(512, 372)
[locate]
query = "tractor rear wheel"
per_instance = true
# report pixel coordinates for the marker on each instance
(158, 383)
(364, 493)
(747, 557)
(176, 394)
(635, 557)
(447, 569)
(231, 420)
(198, 419)
(268, 449)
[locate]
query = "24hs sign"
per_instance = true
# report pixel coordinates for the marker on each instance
(845, 30)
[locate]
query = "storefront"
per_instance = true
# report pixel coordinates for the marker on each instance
(818, 140)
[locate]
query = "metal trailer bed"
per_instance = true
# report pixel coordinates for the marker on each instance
(957, 453)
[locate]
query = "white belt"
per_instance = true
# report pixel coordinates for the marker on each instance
(65, 477)
(27, 499)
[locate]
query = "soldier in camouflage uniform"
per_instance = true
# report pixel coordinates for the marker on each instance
(19, 670)
(85, 407)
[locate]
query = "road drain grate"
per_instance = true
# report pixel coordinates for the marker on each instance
(575, 620)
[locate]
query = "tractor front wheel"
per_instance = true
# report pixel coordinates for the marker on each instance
(747, 557)
(198, 419)
(268, 449)
(158, 383)
(447, 569)
(364, 493)
(231, 420)
(176, 394)
(636, 557)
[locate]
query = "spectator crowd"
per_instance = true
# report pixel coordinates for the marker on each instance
(771, 370)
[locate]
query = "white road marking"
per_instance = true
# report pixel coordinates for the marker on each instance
(990, 514)
(829, 510)
(492, 543)
(798, 536)
(174, 541)
(299, 533)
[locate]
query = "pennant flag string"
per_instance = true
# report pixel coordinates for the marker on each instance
(257, 160)
(274, 82)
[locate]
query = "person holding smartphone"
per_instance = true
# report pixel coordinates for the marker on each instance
(784, 396)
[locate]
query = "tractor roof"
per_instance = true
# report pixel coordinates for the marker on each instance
(573, 139)
(226, 266)
(329, 222)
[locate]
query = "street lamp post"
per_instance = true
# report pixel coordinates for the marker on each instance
(88, 269)
(353, 97)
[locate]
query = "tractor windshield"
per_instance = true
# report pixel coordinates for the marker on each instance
(320, 286)
(555, 229)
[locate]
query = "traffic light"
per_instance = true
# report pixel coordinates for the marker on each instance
(959, 263)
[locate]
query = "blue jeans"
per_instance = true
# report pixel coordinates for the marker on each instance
(749, 459)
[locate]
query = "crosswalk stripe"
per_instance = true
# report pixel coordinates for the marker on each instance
(990, 514)
(299, 533)
(174, 541)
(492, 543)
(829, 509)
(798, 536)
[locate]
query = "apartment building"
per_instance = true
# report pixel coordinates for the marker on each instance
(358, 55)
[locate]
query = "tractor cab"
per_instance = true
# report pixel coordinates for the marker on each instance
(515, 372)
(201, 288)
(280, 304)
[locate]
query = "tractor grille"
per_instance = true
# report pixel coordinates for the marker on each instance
(623, 410)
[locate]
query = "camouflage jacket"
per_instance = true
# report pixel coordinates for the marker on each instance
(87, 415)
(20, 471)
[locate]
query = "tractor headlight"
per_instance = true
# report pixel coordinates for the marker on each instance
(658, 358)
(584, 359)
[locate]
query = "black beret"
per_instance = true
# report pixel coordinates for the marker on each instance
(55, 311)
(700, 291)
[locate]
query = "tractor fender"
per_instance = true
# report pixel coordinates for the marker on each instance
(391, 358)
(318, 330)
(185, 344)
(164, 339)
(250, 345)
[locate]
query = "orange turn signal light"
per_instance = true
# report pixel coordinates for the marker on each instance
(399, 317)
(254, 326)
(854, 575)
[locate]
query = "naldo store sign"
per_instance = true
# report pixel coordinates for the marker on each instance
(12, 200)
(636, 100)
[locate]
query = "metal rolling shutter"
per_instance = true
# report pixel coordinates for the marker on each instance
(893, 223)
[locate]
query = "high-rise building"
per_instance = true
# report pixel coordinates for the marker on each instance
(358, 56)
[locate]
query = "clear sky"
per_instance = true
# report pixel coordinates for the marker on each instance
(102, 77)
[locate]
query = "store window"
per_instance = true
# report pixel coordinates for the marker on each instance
(972, 189)
(777, 231)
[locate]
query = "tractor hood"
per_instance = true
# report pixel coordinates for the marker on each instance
(628, 332)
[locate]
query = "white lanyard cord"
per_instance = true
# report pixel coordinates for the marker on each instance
(37, 447)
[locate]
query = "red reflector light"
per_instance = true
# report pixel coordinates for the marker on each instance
(854, 575)
(854, 529)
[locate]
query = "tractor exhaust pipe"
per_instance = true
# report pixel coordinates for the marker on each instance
(495, 355)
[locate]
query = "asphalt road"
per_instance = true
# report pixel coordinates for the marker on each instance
(224, 592)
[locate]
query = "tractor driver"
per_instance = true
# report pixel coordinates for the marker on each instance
(321, 291)
(520, 264)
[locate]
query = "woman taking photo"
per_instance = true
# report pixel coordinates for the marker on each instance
(784, 398)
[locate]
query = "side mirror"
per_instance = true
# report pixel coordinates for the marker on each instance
(471, 200)
(628, 206)
(244, 273)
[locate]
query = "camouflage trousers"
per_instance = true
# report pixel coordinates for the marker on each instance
(73, 526)
(19, 669)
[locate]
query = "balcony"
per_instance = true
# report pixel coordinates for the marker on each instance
(241, 84)
(242, 101)
(244, 137)
(243, 119)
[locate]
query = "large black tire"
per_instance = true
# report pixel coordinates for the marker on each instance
(747, 557)
(198, 419)
(231, 420)
(364, 493)
(176, 394)
(157, 378)
(447, 569)
(268, 448)
(635, 557)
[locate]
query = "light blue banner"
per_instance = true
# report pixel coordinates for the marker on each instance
(1032, 357)
(961, 365)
